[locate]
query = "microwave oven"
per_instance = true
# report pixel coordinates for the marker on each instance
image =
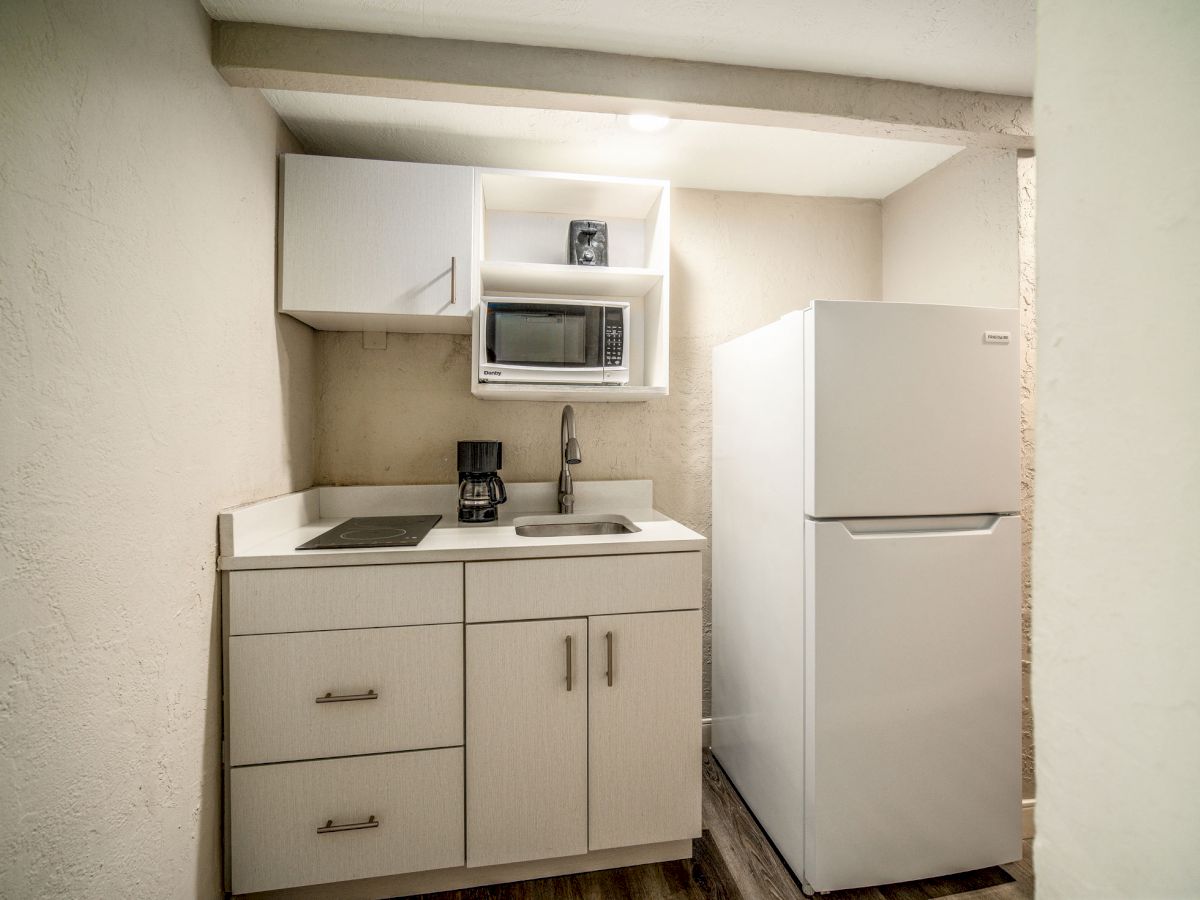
(550, 341)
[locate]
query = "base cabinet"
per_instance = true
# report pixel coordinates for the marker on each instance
(582, 734)
(478, 752)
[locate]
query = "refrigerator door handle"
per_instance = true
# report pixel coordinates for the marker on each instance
(919, 526)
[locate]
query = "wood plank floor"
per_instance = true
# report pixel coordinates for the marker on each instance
(734, 860)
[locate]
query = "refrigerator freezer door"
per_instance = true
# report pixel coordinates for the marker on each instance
(910, 409)
(912, 699)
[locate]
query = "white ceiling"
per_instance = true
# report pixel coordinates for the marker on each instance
(982, 45)
(713, 155)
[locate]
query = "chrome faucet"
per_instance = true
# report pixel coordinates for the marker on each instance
(570, 456)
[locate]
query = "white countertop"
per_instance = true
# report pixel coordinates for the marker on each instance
(264, 535)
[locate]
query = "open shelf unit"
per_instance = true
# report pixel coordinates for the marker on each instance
(523, 250)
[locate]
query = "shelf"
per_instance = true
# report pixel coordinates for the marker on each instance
(569, 393)
(545, 278)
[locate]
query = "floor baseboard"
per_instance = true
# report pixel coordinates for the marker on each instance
(706, 732)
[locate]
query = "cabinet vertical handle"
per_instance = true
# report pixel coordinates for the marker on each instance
(570, 664)
(453, 280)
(609, 639)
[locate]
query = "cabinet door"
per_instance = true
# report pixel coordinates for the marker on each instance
(526, 740)
(376, 237)
(644, 728)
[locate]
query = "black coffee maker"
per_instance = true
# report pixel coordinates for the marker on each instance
(480, 489)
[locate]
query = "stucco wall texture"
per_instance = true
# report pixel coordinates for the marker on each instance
(1117, 544)
(951, 235)
(145, 383)
(738, 261)
(963, 233)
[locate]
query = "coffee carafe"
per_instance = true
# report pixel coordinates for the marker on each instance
(480, 489)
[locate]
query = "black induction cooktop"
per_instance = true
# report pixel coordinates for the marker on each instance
(374, 531)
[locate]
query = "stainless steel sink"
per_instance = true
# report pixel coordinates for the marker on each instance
(573, 525)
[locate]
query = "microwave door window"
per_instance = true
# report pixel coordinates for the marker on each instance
(537, 338)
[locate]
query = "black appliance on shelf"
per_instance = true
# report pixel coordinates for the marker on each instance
(480, 489)
(587, 243)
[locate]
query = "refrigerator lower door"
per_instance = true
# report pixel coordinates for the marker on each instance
(912, 698)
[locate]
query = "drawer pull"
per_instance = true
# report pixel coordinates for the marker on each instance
(330, 698)
(330, 828)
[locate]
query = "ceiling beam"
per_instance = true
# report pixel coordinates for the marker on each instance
(417, 68)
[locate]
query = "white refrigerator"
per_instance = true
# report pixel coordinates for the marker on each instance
(866, 588)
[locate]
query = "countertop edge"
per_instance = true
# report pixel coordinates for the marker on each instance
(403, 556)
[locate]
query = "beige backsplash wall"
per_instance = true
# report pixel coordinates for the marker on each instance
(738, 261)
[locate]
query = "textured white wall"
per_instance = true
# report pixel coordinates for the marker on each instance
(145, 382)
(1116, 686)
(738, 261)
(963, 234)
(1027, 289)
(951, 235)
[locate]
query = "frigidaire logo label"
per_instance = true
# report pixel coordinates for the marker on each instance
(490, 372)
(996, 337)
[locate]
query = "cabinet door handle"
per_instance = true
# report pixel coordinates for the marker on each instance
(342, 698)
(570, 662)
(330, 828)
(453, 280)
(609, 639)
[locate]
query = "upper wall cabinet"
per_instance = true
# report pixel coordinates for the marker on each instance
(370, 245)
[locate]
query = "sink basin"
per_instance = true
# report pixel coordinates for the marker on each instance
(573, 525)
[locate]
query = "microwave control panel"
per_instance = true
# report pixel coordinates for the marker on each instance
(614, 338)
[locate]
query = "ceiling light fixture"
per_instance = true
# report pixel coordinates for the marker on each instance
(648, 122)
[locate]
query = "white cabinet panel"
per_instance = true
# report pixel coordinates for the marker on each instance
(377, 238)
(319, 599)
(643, 728)
(414, 673)
(527, 744)
(581, 586)
(912, 701)
(910, 410)
(416, 800)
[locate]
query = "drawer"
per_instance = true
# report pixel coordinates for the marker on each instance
(416, 800)
(273, 600)
(581, 586)
(275, 679)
